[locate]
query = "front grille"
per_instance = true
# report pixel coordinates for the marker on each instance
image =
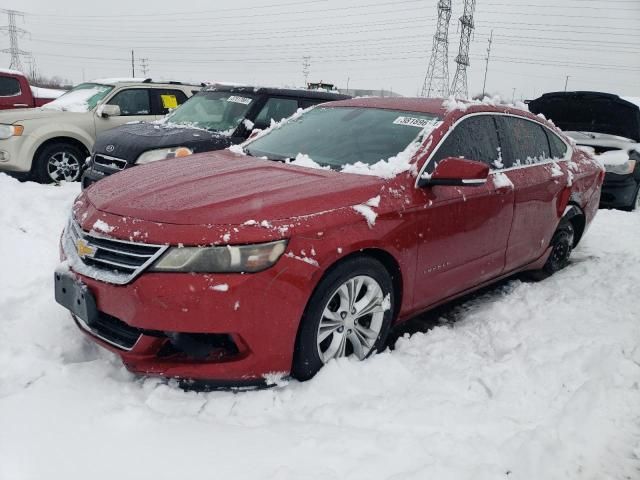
(108, 259)
(111, 163)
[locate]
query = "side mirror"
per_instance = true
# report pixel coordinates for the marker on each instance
(457, 172)
(109, 111)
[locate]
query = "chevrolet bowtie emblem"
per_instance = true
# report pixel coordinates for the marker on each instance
(84, 249)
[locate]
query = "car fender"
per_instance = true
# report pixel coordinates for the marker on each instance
(48, 131)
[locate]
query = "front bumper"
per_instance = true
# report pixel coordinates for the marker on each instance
(251, 326)
(13, 156)
(618, 191)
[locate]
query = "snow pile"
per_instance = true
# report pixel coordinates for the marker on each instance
(613, 157)
(500, 180)
(102, 226)
(303, 160)
(525, 381)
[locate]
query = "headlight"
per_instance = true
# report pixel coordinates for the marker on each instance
(162, 154)
(8, 131)
(229, 259)
(621, 169)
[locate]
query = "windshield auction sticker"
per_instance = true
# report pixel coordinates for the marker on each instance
(242, 100)
(412, 121)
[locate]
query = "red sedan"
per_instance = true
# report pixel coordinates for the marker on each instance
(311, 241)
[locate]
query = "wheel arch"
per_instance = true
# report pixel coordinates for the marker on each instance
(61, 139)
(574, 214)
(388, 261)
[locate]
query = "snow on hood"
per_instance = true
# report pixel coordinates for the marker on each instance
(74, 101)
(613, 157)
(219, 188)
(40, 92)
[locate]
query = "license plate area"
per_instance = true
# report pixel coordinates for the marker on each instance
(76, 297)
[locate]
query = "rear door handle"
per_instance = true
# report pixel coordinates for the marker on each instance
(20, 105)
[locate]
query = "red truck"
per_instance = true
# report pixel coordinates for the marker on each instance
(15, 91)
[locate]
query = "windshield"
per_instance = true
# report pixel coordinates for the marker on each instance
(217, 111)
(81, 98)
(340, 136)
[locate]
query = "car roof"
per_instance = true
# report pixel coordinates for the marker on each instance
(439, 107)
(290, 92)
(136, 81)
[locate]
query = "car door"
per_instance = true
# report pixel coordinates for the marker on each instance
(135, 105)
(463, 231)
(11, 95)
(540, 188)
(163, 100)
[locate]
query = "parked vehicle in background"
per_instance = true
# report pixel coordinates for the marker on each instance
(15, 91)
(608, 124)
(215, 118)
(52, 142)
(309, 242)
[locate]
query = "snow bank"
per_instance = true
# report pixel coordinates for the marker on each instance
(526, 381)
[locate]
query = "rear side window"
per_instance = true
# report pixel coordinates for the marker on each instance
(165, 100)
(134, 101)
(558, 147)
(275, 109)
(9, 87)
(528, 141)
(475, 138)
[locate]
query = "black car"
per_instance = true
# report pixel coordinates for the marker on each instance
(609, 125)
(215, 118)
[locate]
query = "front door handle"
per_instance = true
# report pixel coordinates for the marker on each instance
(20, 105)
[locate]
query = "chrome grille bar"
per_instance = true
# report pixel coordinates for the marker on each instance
(109, 162)
(111, 260)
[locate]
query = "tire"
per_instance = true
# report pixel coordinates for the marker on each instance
(561, 247)
(57, 162)
(345, 331)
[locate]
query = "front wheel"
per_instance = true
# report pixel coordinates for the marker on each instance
(349, 313)
(58, 162)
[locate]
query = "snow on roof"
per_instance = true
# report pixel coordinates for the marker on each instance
(110, 81)
(11, 72)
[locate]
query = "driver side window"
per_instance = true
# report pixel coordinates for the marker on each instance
(475, 138)
(134, 101)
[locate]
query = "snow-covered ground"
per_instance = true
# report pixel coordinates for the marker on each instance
(532, 381)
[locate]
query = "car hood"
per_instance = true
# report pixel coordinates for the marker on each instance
(129, 141)
(223, 188)
(590, 112)
(22, 114)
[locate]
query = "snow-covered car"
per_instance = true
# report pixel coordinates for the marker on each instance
(215, 118)
(51, 143)
(608, 125)
(310, 242)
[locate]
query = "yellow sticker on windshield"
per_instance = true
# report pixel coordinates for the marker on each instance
(169, 101)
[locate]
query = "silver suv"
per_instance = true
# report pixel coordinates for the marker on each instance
(50, 143)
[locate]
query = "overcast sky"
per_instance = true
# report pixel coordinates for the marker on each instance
(363, 43)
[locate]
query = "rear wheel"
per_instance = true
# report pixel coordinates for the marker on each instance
(58, 162)
(349, 314)
(561, 247)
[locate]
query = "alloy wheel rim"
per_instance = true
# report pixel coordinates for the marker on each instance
(352, 319)
(63, 166)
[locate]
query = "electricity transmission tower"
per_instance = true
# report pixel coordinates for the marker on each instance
(306, 68)
(144, 66)
(459, 85)
(14, 33)
(437, 78)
